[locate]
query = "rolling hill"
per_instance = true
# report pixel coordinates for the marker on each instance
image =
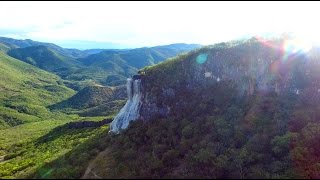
(4, 48)
(139, 57)
(17, 43)
(94, 101)
(46, 58)
(26, 91)
(112, 67)
(106, 67)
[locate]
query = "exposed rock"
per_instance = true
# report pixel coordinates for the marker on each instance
(136, 76)
(131, 110)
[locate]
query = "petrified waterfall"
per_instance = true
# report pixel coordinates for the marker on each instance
(130, 110)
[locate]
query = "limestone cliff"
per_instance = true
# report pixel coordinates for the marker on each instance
(240, 69)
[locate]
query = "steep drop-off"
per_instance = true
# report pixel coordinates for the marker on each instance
(131, 109)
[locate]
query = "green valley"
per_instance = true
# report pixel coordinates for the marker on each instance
(26, 91)
(45, 92)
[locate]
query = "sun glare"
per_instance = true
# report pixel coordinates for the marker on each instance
(297, 45)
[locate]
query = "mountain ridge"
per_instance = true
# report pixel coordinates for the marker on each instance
(108, 67)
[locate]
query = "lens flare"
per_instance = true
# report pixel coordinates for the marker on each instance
(291, 44)
(202, 58)
(295, 46)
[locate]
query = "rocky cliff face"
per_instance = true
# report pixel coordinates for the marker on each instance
(131, 109)
(237, 69)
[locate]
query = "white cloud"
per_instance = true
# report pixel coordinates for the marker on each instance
(151, 23)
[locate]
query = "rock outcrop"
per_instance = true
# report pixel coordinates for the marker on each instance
(131, 110)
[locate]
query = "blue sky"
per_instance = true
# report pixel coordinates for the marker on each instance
(137, 24)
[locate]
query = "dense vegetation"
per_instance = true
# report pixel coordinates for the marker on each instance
(30, 146)
(210, 142)
(94, 101)
(73, 164)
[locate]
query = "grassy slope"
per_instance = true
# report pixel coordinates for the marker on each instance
(4, 48)
(26, 91)
(46, 59)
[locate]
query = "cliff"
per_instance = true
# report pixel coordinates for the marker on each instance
(236, 69)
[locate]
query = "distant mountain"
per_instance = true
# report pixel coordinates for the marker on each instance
(139, 57)
(22, 43)
(93, 51)
(25, 91)
(105, 67)
(117, 65)
(73, 53)
(82, 45)
(46, 58)
(179, 46)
